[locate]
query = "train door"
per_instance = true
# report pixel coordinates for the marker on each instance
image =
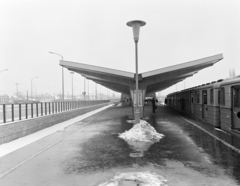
(191, 102)
(204, 103)
(236, 106)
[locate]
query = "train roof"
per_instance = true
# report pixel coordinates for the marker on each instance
(213, 84)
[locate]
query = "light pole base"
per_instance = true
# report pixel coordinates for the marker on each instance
(137, 117)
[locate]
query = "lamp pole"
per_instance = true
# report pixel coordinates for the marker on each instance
(88, 90)
(84, 88)
(62, 75)
(72, 84)
(31, 87)
(36, 91)
(136, 29)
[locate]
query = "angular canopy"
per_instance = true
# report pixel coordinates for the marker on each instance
(152, 81)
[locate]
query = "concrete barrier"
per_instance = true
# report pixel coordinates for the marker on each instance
(15, 130)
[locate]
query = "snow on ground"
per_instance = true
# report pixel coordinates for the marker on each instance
(138, 178)
(142, 131)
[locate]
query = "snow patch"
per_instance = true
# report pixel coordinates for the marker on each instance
(140, 178)
(142, 131)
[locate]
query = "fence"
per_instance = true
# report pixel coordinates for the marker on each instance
(16, 112)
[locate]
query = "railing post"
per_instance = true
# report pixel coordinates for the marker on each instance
(45, 108)
(56, 107)
(12, 112)
(42, 109)
(53, 107)
(49, 107)
(32, 110)
(4, 113)
(26, 110)
(20, 112)
(37, 108)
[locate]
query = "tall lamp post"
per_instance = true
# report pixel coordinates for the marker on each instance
(31, 87)
(72, 84)
(136, 29)
(84, 93)
(35, 91)
(62, 75)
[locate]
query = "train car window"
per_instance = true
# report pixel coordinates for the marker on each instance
(211, 96)
(219, 97)
(222, 96)
(236, 97)
(204, 96)
(197, 97)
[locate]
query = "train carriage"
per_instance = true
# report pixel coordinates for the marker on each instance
(229, 104)
(217, 103)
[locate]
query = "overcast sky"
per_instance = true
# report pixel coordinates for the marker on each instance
(95, 32)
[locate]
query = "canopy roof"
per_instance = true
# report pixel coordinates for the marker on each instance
(152, 81)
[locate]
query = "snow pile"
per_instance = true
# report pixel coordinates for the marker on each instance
(140, 178)
(142, 131)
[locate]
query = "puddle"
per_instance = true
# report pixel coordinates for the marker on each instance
(131, 121)
(136, 154)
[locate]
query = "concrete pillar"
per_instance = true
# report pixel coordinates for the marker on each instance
(141, 96)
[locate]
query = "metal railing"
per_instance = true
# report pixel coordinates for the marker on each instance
(16, 112)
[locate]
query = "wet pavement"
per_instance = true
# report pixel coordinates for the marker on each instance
(93, 154)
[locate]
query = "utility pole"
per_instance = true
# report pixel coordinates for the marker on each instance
(27, 96)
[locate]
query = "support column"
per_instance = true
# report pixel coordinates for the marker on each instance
(141, 98)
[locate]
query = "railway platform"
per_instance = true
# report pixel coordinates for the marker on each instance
(89, 152)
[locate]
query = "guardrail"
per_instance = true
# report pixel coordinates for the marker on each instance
(16, 112)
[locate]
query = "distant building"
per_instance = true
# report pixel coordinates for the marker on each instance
(4, 99)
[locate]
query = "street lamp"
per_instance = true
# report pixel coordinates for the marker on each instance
(36, 91)
(88, 90)
(75, 91)
(136, 29)
(72, 84)
(31, 87)
(3, 70)
(62, 75)
(17, 89)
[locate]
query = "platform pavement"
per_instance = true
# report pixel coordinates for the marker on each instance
(89, 155)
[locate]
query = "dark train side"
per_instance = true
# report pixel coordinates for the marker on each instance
(217, 103)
